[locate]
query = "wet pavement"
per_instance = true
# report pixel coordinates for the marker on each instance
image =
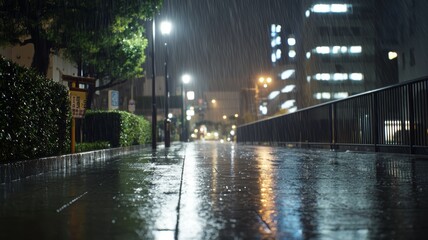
(207, 190)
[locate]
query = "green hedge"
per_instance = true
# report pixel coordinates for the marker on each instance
(34, 114)
(119, 128)
(86, 147)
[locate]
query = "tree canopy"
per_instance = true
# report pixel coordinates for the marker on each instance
(105, 37)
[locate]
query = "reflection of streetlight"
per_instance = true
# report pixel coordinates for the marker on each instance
(166, 29)
(264, 81)
(185, 79)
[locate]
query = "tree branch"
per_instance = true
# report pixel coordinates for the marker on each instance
(110, 84)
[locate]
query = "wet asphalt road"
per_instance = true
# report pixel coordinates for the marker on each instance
(209, 190)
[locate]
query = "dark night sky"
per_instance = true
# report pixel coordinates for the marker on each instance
(222, 43)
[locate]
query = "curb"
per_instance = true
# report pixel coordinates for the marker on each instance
(18, 170)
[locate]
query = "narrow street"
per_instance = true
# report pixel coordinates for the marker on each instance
(207, 190)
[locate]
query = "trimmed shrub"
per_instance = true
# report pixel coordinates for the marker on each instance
(119, 128)
(34, 114)
(86, 147)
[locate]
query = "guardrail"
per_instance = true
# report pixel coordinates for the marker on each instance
(390, 119)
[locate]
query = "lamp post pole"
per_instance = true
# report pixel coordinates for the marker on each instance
(154, 110)
(166, 29)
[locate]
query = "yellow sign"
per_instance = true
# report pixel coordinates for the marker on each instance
(78, 103)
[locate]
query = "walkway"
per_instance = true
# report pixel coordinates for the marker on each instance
(210, 190)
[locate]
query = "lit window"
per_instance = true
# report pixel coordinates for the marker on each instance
(288, 104)
(344, 49)
(190, 95)
(322, 50)
(355, 49)
(273, 43)
(291, 41)
(326, 95)
(308, 13)
(293, 109)
(278, 54)
(278, 28)
(278, 40)
(308, 55)
(340, 76)
(321, 8)
(340, 95)
(273, 28)
(292, 53)
(392, 55)
(273, 57)
(287, 74)
(288, 88)
(336, 49)
(339, 8)
(356, 76)
(273, 95)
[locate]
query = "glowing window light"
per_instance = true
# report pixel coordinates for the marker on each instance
(278, 54)
(356, 76)
(189, 118)
(288, 88)
(322, 50)
(287, 74)
(293, 109)
(273, 57)
(308, 13)
(190, 113)
(292, 53)
(273, 28)
(308, 78)
(355, 49)
(339, 8)
(340, 95)
(278, 40)
(326, 95)
(344, 49)
(308, 55)
(273, 43)
(263, 109)
(321, 8)
(170, 115)
(340, 76)
(392, 55)
(288, 104)
(190, 95)
(278, 28)
(291, 41)
(273, 95)
(336, 49)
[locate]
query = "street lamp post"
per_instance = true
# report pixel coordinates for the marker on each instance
(154, 110)
(166, 29)
(185, 79)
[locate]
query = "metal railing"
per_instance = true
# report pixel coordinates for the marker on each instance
(390, 119)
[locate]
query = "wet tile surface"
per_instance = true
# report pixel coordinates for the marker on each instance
(224, 191)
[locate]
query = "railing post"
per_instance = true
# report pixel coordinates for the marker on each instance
(333, 130)
(411, 118)
(375, 121)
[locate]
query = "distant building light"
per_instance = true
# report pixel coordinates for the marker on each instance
(263, 109)
(288, 104)
(265, 85)
(322, 50)
(213, 101)
(308, 55)
(288, 88)
(322, 76)
(355, 49)
(356, 76)
(330, 8)
(190, 113)
(273, 28)
(293, 109)
(273, 57)
(273, 95)
(336, 49)
(292, 53)
(392, 55)
(339, 8)
(322, 95)
(278, 54)
(224, 117)
(190, 95)
(321, 8)
(340, 76)
(170, 115)
(278, 28)
(232, 132)
(308, 78)
(189, 118)
(287, 74)
(344, 49)
(273, 43)
(308, 13)
(291, 41)
(278, 40)
(340, 95)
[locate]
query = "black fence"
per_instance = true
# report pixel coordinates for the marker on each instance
(391, 119)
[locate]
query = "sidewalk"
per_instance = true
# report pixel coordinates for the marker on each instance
(207, 190)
